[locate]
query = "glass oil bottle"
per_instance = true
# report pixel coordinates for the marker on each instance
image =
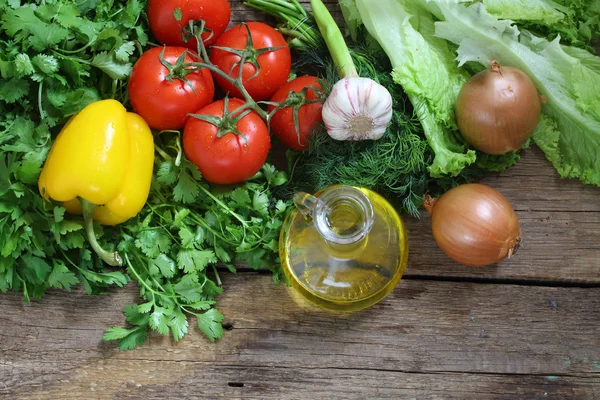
(343, 249)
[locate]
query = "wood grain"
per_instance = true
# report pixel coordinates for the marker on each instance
(426, 340)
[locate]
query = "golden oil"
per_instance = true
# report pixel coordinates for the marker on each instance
(343, 249)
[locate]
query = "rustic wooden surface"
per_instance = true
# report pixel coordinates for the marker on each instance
(526, 328)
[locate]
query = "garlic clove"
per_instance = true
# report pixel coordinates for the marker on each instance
(357, 109)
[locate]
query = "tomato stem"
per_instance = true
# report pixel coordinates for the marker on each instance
(247, 98)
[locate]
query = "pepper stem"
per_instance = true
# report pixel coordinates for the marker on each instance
(334, 39)
(114, 258)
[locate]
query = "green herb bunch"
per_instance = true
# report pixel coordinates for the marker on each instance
(173, 246)
(56, 57)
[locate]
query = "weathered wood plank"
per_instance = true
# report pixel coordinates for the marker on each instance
(188, 379)
(426, 339)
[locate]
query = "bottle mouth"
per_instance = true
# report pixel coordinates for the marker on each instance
(343, 215)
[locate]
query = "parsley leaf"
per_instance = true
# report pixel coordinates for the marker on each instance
(61, 277)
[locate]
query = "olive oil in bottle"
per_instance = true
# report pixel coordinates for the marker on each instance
(343, 249)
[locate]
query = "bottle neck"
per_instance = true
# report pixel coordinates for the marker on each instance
(343, 215)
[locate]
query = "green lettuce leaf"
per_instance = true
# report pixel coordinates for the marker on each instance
(351, 16)
(423, 65)
(568, 79)
(577, 22)
(540, 11)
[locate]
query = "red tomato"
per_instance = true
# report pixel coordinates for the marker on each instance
(167, 29)
(309, 115)
(230, 158)
(275, 66)
(162, 103)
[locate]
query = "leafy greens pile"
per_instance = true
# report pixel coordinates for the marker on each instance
(57, 56)
(421, 151)
(576, 21)
(419, 37)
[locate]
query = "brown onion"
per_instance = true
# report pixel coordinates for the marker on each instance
(474, 224)
(498, 109)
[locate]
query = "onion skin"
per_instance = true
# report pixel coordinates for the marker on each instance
(498, 109)
(474, 225)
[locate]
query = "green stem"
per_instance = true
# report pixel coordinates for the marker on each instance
(143, 282)
(334, 39)
(40, 106)
(235, 82)
(114, 88)
(217, 275)
(162, 153)
(114, 258)
(224, 207)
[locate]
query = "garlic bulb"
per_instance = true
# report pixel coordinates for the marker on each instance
(357, 109)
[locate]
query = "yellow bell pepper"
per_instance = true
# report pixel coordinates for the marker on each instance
(101, 165)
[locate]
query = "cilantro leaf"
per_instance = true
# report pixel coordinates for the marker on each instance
(158, 321)
(108, 64)
(195, 260)
(189, 289)
(45, 63)
(167, 173)
(187, 238)
(153, 242)
(210, 324)
(125, 51)
(14, 89)
(178, 325)
(45, 36)
(145, 308)
(165, 265)
(129, 339)
(70, 102)
(117, 332)
(106, 278)
(68, 16)
(211, 290)
(187, 189)
(260, 203)
(18, 23)
(23, 65)
(134, 316)
(241, 197)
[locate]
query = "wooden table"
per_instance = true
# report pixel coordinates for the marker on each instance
(526, 328)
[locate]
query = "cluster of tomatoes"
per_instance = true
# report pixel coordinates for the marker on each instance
(171, 93)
